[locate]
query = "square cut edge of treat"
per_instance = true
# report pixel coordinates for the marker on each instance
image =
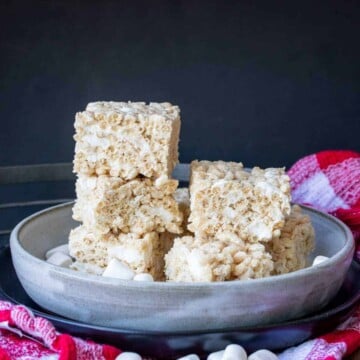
(138, 206)
(142, 253)
(225, 197)
(127, 139)
(195, 260)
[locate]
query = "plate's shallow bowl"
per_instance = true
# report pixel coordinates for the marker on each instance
(175, 306)
(165, 345)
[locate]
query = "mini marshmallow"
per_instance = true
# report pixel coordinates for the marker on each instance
(60, 259)
(143, 277)
(216, 355)
(128, 356)
(234, 352)
(117, 269)
(62, 248)
(319, 259)
(190, 357)
(263, 355)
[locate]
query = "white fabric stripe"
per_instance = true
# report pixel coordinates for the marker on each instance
(302, 170)
(318, 192)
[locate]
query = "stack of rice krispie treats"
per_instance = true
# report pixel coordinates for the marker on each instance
(124, 155)
(234, 224)
(241, 224)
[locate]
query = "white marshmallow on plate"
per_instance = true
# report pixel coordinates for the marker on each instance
(119, 270)
(143, 277)
(128, 356)
(234, 352)
(62, 248)
(60, 259)
(319, 259)
(263, 355)
(216, 355)
(190, 357)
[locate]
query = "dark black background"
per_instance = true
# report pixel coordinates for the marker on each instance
(263, 82)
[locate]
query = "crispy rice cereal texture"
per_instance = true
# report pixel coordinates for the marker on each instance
(143, 253)
(137, 206)
(192, 261)
(226, 198)
(85, 248)
(127, 139)
(182, 197)
(291, 249)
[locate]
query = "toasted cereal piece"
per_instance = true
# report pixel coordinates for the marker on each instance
(193, 260)
(127, 139)
(143, 254)
(182, 197)
(86, 248)
(226, 198)
(137, 206)
(291, 249)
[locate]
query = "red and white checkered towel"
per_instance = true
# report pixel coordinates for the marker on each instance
(26, 337)
(329, 181)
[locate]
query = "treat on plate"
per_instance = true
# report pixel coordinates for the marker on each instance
(125, 153)
(191, 260)
(226, 198)
(127, 139)
(141, 253)
(137, 206)
(235, 224)
(291, 249)
(241, 226)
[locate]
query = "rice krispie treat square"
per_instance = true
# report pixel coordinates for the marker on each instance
(291, 249)
(226, 198)
(137, 206)
(191, 260)
(142, 253)
(127, 139)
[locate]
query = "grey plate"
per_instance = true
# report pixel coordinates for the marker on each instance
(167, 345)
(174, 306)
